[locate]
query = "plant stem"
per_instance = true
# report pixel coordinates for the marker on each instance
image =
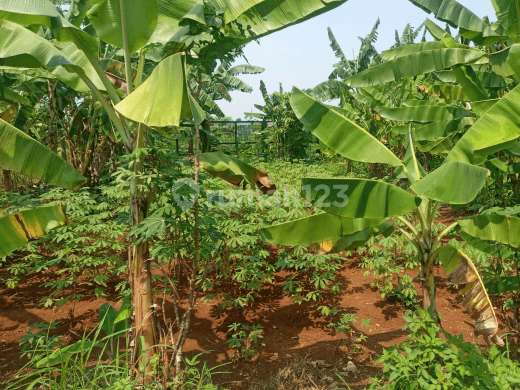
(126, 49)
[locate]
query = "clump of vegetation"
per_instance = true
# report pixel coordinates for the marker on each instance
(427, 360)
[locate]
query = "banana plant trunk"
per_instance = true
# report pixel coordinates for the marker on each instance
(429, 291)
(8, 184)
(140, 274)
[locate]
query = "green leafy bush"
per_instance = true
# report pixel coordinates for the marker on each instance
(427, 361)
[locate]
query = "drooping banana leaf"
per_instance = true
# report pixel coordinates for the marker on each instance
(329, 90)
(414, 64)
(43, 12)
(21, 48)
(163, 99)
(423, 114)
(139, 21)
(461, 271)
(492, 132)
(269, 16)
(9, 96)
(352, 241)
(453, 183)
(235, 171)
(338, 132)
(17, 229)
(24, 154)
(315, 229)
(492, 227)
(358, 198)
(456, 15)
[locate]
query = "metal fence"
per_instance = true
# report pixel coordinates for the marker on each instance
(226, 136)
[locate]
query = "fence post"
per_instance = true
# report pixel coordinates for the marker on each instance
(236, 137)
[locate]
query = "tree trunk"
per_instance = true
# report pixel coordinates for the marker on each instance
(8, 183)
(140, 275)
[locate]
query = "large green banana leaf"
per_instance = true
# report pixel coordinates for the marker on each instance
(22, 48)
(453, 183)
(263, 16)
(43, 12)
(507, 15)
(456, 15)
(163, 99)
(492, 227)
(492, 132)
(314, 229)
(358, 198)
(139, 22)
(23, 154)
(462, 271)
(18, 229)
(423, 114)
(269, 16)
(414, 64)
(235, 171)
(403, 51)
(338, 132)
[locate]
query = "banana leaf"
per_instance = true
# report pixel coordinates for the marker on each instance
(352, 241)
(17, 229)
(139, 22)
(456, 15)
(461, 271)
(414, 64)
(423, 114)
(492, 132)
(43, 12)
(315, 229)
(507, 15)
(358, 198)
(24, 154)
(22, 48)
(338, 132)
(503, 229)
(163, 99)
(236, 172)
(9, 96)
(452, 183)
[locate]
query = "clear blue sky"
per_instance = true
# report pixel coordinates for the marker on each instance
(301, 56)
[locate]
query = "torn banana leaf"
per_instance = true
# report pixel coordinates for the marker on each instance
(352, 241)
(17, 229)
(461, 271)
(236, 172)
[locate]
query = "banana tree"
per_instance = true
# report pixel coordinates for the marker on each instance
(353, 205)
